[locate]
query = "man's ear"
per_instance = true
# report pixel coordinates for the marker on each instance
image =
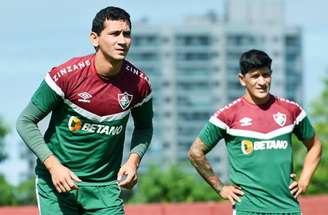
(241, 79)
(94, 39)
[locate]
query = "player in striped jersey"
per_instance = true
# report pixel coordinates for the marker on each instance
(257, 129)
(91, 97)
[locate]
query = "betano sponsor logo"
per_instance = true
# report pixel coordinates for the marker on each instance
(75, 124)
(247, 146)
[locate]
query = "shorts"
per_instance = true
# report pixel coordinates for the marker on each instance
(235, 212)
(89, 199)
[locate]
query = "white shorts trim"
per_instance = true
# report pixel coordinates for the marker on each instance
(37, 194)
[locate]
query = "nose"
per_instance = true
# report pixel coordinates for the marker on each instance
(261, 80)
(121, 39)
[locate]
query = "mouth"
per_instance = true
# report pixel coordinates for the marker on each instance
(262, 90)
(120, 50)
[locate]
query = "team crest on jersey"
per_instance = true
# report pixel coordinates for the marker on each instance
(124, 99)
(74, 123)
(280, 118)
(247, 147)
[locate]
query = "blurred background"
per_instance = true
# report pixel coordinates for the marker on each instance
(190, 49)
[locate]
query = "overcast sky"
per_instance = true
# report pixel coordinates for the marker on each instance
(39, 34)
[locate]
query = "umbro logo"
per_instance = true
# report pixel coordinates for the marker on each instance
(246, 121)
(85, 97)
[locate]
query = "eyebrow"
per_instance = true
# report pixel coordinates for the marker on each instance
(114, 31)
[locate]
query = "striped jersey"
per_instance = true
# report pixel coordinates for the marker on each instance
(89, 115)
(258, 141)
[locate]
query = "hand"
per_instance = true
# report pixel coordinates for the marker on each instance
(297, 187)
(62, 178)
(232, 193)
(127, 176)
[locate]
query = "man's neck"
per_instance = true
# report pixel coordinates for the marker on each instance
(257, 101)
(107, 67)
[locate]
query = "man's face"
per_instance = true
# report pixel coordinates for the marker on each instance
(257, 85)
(114, 41)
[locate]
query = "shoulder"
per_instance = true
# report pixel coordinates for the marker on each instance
(288, 105)
(230, 108)
(291, 108)
(136, 73)
(225, 116)
(70, 68)
(62, 76)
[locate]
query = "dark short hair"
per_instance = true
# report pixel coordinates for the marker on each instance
(254, 59)
(109, 13)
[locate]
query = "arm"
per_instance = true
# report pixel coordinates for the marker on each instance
(28, 130)
(311, 162)
(198, 159)
(141, 138)
(43, 101)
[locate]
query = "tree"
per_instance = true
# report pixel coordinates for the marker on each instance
(3, 132)
(319, 115)
(319, 118)
(25, 192)
(6, 192)
(27, 156)
(172, 185)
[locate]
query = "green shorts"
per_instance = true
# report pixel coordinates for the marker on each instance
(235, 212)
(89, 199)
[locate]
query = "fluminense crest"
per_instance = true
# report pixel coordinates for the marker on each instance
(124, 99)
(280, 118)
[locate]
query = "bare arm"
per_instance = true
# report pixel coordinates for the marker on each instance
(127, 176)
(311, 162)
(198, 159)
(62, 177)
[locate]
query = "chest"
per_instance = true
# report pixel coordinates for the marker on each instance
(263, 121)
(103, 98)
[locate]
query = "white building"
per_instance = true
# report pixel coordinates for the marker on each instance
(194, 70)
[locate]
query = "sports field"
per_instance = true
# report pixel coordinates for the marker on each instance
(315, 205)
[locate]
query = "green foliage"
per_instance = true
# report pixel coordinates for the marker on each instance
(3, 132)
(319, 113)
(6, 192)
(319, 118)
(172, 185)
(25, 192)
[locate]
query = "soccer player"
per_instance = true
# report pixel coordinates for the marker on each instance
(79, 158)
(257, 129)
